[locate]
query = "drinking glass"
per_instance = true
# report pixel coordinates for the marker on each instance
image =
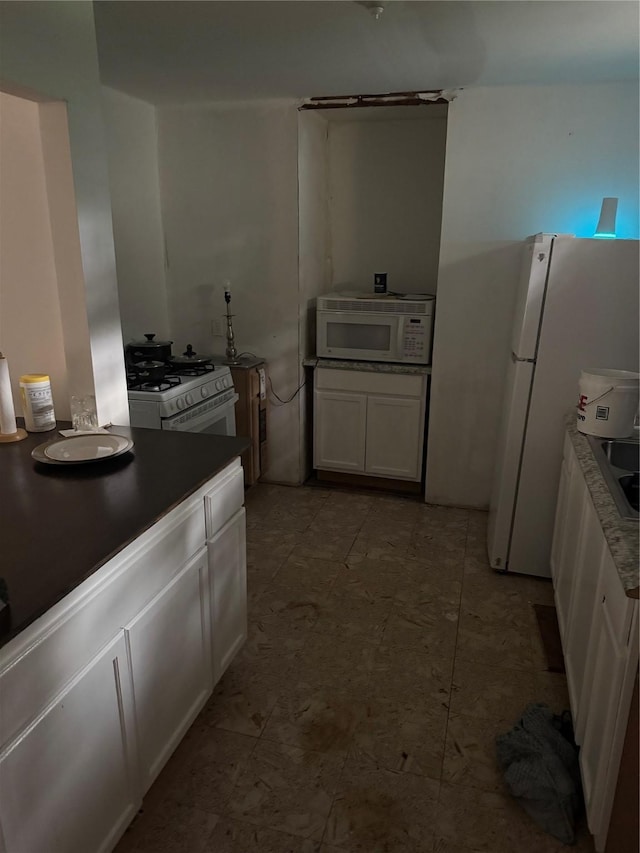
(84, 415)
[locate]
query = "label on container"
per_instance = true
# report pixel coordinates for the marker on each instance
(380, 282)
(42, 408)
(39, 413)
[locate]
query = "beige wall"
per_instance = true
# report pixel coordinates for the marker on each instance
(50, 50)
(314, 255)
(386, 180)
(137, 223)
(31, 334)
(228, 180)
(519, 160)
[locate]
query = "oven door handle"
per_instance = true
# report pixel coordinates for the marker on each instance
(196, 422)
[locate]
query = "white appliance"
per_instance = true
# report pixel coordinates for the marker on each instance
(201, 403)
(577, 307)
(370, 327)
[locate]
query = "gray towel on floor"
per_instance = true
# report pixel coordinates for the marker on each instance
(541, 770)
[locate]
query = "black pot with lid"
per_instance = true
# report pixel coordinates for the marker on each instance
(150, 370)
(149, 349)
(190, 358)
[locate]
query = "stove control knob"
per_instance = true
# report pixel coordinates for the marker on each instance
(180, 402)
(219, 384)
(204, 391)
(189, 399)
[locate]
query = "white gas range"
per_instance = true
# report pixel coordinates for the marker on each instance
(201, 403)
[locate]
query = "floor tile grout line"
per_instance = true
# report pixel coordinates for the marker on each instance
(453, 667)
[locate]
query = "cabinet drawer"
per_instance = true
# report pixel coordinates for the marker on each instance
(398, 384)
(225, 499)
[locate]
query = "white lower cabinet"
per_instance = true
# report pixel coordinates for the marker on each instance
(591, 554)
(598, 628)
(68, 782)
(228, 574)
(395, 428)
(566, 567)
(369, 423)
(96, 694)
(340, 431)
(602, 691)
(170, 655)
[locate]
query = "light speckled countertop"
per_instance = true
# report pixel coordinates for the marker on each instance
(369, 366)
(621, 535)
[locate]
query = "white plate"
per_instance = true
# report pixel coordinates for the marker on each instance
(86, 448)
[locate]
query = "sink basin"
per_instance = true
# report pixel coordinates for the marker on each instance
(623, 454)
(618, 460)
(630, 485)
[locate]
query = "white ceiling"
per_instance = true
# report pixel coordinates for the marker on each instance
(181, 51)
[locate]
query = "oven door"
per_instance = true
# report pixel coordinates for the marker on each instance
(367, 337)
(210, 417)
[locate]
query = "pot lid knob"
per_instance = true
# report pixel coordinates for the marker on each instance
(149, 337)
(189, 351)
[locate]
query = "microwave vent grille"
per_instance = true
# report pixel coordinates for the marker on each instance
(361, 306)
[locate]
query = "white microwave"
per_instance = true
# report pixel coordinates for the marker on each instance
(365, 327)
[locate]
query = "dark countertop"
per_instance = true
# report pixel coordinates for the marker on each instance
(59, 524)
(245, 362)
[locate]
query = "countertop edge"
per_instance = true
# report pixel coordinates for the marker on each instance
(156, 518)
(367, 366)
(621, 535)
(12, 625)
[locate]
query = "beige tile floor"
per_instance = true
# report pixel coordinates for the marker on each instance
(383, 657)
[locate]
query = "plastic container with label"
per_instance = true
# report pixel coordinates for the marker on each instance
(608, 402)
(37, 402)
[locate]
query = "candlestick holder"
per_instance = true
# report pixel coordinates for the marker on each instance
(231, 352)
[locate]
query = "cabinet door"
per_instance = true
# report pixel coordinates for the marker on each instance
(395, 432)
(340, 430)
(602, 690)
(567, 557)
(584, 603)
(68, 783)
(560, 525)
(228, 581)
(169, 646)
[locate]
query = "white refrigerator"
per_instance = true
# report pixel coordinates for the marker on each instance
(577, 307)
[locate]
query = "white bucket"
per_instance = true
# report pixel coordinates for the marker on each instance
(608, 402)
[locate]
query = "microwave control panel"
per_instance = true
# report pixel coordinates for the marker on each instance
(415, 338)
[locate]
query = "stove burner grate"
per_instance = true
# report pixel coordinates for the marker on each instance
(134, 383)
